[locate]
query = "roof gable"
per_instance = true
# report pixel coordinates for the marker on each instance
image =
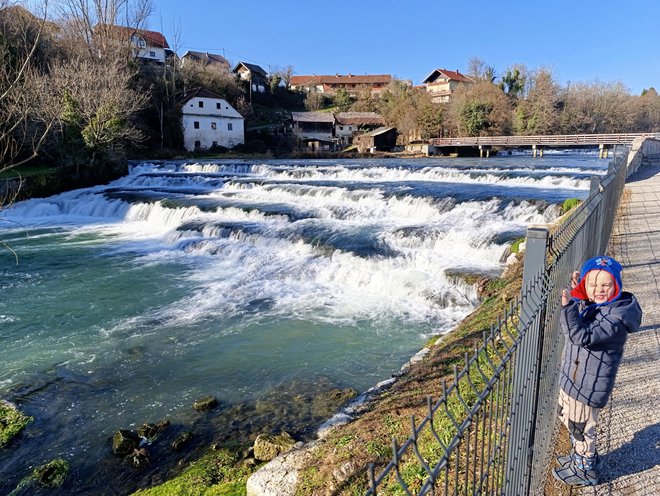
(341, 79)
(152, 38)
(250, 67)
(209, 58)
(451, 75)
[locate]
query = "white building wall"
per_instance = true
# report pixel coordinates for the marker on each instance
(151, 53)
(223, 126)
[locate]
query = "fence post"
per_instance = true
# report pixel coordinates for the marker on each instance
(525, 378)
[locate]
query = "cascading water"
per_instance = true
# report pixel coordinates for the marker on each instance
(131, 300)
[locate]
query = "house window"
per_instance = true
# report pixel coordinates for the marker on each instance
(196, 124)
(200, 104)
(230, 126)
(218, 106)
(138, 41)
(341, 128)
(198, 144)
(213, 126)
(350, 128)
(152, 54)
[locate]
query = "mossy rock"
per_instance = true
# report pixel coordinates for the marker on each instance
(124, 442)
(53, 473)
(206, 403)
(12, 421)
(151, 431)
(181, 440)
(267, 447)
(327, 403)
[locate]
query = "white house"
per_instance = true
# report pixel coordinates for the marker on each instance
(209, 121)
(147, 46)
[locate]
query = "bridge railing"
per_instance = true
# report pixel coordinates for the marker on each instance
(555, 140)
(490, 431)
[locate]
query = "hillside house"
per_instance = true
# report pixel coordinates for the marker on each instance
(206, 58)
(353, 85)
(441, 83)
(146, 46)
(255, 75)
(348, 124)
(381, 139)
(209, 121)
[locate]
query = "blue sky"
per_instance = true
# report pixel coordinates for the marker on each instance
(579, 40)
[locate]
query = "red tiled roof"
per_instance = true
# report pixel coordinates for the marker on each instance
(340, 79)
(452, 75)
(152, 38)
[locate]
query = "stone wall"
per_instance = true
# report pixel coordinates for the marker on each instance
(642, 149)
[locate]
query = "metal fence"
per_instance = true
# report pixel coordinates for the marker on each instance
(491, 430)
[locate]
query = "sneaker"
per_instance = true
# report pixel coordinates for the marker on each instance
(565, 459)
(580, 471)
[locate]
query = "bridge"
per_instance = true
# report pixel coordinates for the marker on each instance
(539, 142)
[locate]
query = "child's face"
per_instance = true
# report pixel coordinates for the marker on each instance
(600, 286)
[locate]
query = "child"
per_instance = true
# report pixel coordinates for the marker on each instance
(596, 323)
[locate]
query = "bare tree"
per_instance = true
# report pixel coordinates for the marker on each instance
(24, 127)
(96, 23)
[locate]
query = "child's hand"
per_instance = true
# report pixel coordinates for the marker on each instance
(575, 278)
(566, 293)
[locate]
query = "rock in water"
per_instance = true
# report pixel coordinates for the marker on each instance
(181, 440)
(151, 431)
(205, 403)
(267, 447)
(124, 442)
(53, 473)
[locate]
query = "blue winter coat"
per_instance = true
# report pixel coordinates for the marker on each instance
(594, 346)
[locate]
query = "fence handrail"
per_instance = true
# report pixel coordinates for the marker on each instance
(541, 139)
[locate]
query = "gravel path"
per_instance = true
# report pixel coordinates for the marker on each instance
(629, 427)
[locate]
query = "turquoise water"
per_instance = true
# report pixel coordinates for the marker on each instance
(238, 279)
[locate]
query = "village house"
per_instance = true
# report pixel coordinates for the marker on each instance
(206, 58)
(353, 85)
(147, 46)
(381, 139)
(441, 83)
(255, 75)
(348, 124)
(315, 129)
(208, 121)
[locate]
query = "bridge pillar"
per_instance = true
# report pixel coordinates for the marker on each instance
(537, 149)
(483, 148)
(603, 151)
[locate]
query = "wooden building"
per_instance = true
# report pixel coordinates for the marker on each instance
(382, 139)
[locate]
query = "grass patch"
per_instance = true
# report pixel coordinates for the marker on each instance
(218, 473)
(26, 171)
(12, 422)
(568, 204)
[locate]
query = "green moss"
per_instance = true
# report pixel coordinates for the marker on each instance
(218, 473)
(53, 473)
(11, 423)
(515, 246)
(569, 204)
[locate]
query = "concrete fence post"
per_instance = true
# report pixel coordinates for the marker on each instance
(525, 376)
